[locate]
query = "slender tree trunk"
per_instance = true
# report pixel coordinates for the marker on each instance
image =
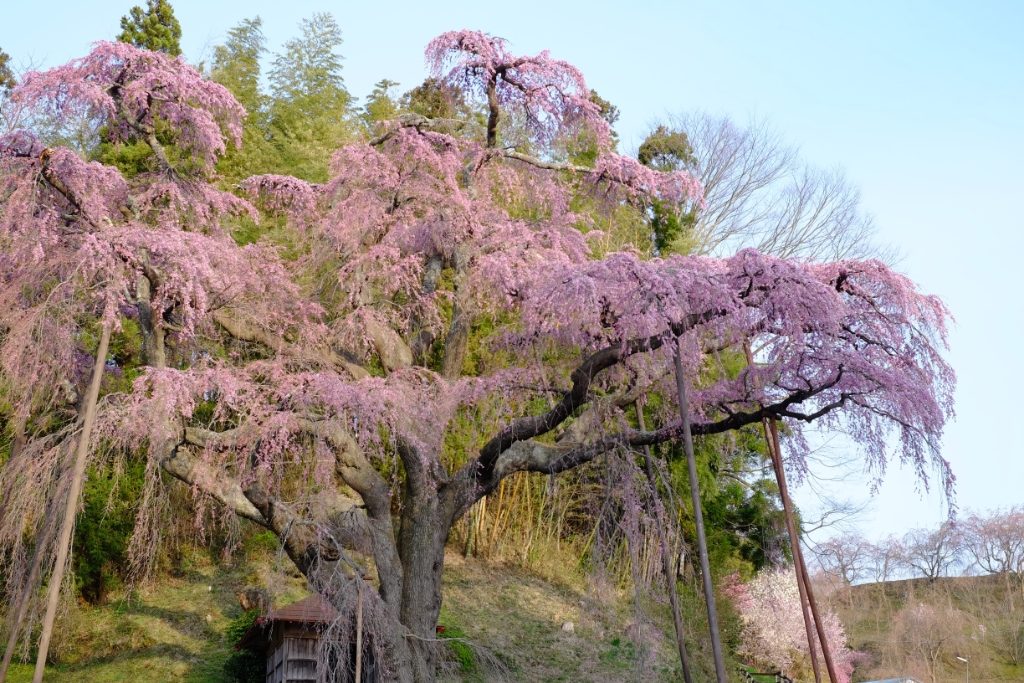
(455, 344)
(71, 508)
(666, 561)
(798, 557)
(698, 517)
(494, 111)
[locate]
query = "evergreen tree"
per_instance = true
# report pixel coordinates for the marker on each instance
(236, 66)
(6, 75)
(667, 150)
(154, 28)
(380, 105)
(309, 113)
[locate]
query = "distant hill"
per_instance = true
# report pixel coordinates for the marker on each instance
(918, 627)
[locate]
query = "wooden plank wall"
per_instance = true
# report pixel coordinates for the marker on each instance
(293, 661)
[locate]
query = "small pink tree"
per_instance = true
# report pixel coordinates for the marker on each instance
(343, 366)
(773, 634)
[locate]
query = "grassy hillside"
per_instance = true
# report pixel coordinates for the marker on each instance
(507, 624)
(918, 628)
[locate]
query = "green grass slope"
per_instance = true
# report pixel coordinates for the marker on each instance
(501, 623)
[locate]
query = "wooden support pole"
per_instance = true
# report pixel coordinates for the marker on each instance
(698, 517)
(666, 561)
(71, 507)
(794, 546)
(798, 557)
(775, 455)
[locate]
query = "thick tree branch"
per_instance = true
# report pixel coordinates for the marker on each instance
(529, 455)
(577, 396)
(358, 525)
(182, 464)
(243, 331)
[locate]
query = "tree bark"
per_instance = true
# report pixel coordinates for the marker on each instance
(154, 352)
(456, 344)
(71, 508)
(698, 518)
(494, 111)
(424, 532)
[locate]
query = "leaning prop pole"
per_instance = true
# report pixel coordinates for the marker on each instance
(794, 545)
(71, 508)
(698, 516)
(794, 539)
(666, 561)
(798, 556)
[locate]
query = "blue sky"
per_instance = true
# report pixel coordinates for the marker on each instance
(922, 103)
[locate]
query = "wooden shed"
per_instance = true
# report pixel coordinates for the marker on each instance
(289, 638)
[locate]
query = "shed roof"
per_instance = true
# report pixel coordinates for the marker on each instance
(312, 611)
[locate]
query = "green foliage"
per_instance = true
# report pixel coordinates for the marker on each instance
(7, 80)
(672, 229)
(666, 150)
(135, 156)
(310, 113)
(669, 150)
(435, 100)
(743, 516)
(236, 66)
(236, 63)
(104, 526)
(131, 158)
(380, 105)
(154, 28)
(243, 666)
